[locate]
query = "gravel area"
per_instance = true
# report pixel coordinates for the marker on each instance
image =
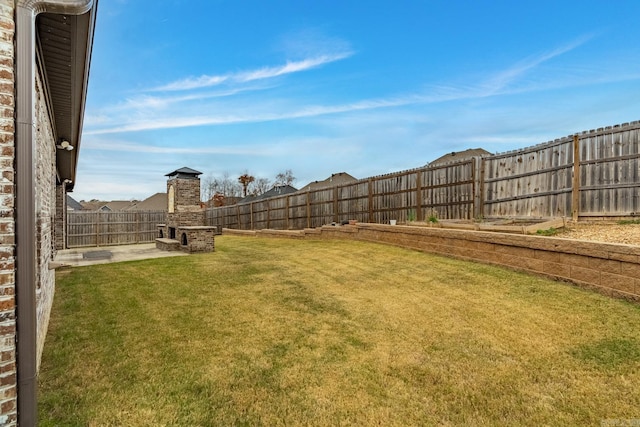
(603, 232)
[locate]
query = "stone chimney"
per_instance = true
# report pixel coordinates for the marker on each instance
(185, 228)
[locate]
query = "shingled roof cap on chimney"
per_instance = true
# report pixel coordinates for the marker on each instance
(184, 172)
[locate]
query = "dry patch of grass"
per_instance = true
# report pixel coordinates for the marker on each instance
(281, 332)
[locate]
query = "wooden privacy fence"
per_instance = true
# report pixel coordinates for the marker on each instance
(446, 191)
(112, 228)
(595, 173)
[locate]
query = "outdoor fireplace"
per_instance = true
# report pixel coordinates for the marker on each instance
(185, 215)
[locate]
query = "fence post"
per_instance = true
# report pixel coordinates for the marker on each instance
(335, 205)
(481, 190)
(575, 190)
(286, 217)
(251, 215)
(97, 228)
(370, 189)
(477, 173)
(419, 195)
(308, 209)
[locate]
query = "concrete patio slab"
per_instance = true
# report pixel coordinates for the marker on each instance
(108, 254)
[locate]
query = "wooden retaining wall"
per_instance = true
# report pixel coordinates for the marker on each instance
(611, 269)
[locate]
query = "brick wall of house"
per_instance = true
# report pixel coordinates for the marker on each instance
(45, 214)
(60, 228)
(8, 390)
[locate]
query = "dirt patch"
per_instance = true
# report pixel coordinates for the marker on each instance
(602, 232)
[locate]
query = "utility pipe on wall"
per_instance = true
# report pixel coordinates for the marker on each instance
(26, 253)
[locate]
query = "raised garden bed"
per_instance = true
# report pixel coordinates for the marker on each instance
(502, 225)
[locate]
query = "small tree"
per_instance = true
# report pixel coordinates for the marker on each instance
(245, 179)
(260, 186)
(229, 188)
(223, 185)
(207, 188)
(285, 178)
(218, 200)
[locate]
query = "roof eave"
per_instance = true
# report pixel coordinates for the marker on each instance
(68, 122)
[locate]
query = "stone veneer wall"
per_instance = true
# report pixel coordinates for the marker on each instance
(199, 239)
(187, 191)
(611, 269)
(186, 216)
(45, 214)
(60, 226)
(8, 386)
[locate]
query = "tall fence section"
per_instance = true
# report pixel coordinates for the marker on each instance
(86, 228)
(446, 191)
(595, 173)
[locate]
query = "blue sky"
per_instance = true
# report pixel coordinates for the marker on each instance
(321, 87)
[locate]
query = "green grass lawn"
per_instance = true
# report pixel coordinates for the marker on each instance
(284, 332)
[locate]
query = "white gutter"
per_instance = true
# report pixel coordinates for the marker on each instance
(26, 13)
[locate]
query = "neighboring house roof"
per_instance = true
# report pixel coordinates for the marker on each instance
(456, 156)
(276, 191)
(117, 205)
(92, 206)
(157, 202)
(335, 179)
(73, 204)
(66, 42)
(249, 198)
(184, 172)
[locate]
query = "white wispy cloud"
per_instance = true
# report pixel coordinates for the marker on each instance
(290, 67)
(302, 112)
(503, 79)
(144, 102)
(192, 83)
(266, 109)
(132, 147)
(252, 75)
